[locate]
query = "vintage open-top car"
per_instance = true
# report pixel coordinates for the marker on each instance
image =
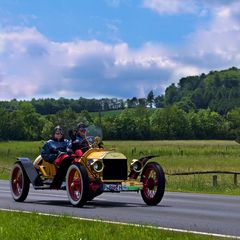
(98, 170)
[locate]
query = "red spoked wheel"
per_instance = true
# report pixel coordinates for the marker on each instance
(19, 183)
(77, 184)
(153, 180)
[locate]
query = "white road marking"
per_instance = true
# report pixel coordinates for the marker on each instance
(100, 199)
(128, 224)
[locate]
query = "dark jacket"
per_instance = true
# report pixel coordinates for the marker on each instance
(79, 143)
(51, 149)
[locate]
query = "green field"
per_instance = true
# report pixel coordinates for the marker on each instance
(15, 225)
(174, 156)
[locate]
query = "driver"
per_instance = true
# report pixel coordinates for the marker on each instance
(79, 143)
(55, 149)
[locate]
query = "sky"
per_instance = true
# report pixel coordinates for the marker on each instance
(112, 48)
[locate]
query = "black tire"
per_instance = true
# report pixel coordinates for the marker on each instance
(19, 183)
(77, 184)
(153, 180)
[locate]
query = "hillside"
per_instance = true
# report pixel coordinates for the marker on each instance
(218, 90)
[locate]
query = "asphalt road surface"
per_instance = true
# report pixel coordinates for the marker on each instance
(195, 212)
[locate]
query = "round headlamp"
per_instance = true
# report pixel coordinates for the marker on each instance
(136, 165)
(97, 165)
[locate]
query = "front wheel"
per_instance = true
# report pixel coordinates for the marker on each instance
(77, 184)
(153, 180)
(19, 183)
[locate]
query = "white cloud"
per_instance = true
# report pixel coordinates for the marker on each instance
(200, 7)
(214, 45)
(171, 7)
(217, 45)
(33, 66)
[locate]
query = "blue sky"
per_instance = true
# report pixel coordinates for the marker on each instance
(112, 48)
(107, 21)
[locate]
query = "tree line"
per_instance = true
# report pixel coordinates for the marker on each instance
(131, 123)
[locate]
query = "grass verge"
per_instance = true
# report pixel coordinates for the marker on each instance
(16, 225)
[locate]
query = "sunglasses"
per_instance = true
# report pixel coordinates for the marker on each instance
(58, 133)
(82, 130)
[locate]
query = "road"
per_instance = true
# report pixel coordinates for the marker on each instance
(195, 212)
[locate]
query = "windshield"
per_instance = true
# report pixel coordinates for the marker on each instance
(93, 132)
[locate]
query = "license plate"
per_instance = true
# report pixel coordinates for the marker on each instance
(112, 187)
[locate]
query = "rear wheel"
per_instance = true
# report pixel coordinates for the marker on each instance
(77, 184)
(153, 180)
(19, 183)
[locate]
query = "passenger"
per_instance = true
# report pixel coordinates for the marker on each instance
(55, 149)
(79, 143)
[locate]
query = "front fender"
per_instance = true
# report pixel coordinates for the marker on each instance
(143, 161)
